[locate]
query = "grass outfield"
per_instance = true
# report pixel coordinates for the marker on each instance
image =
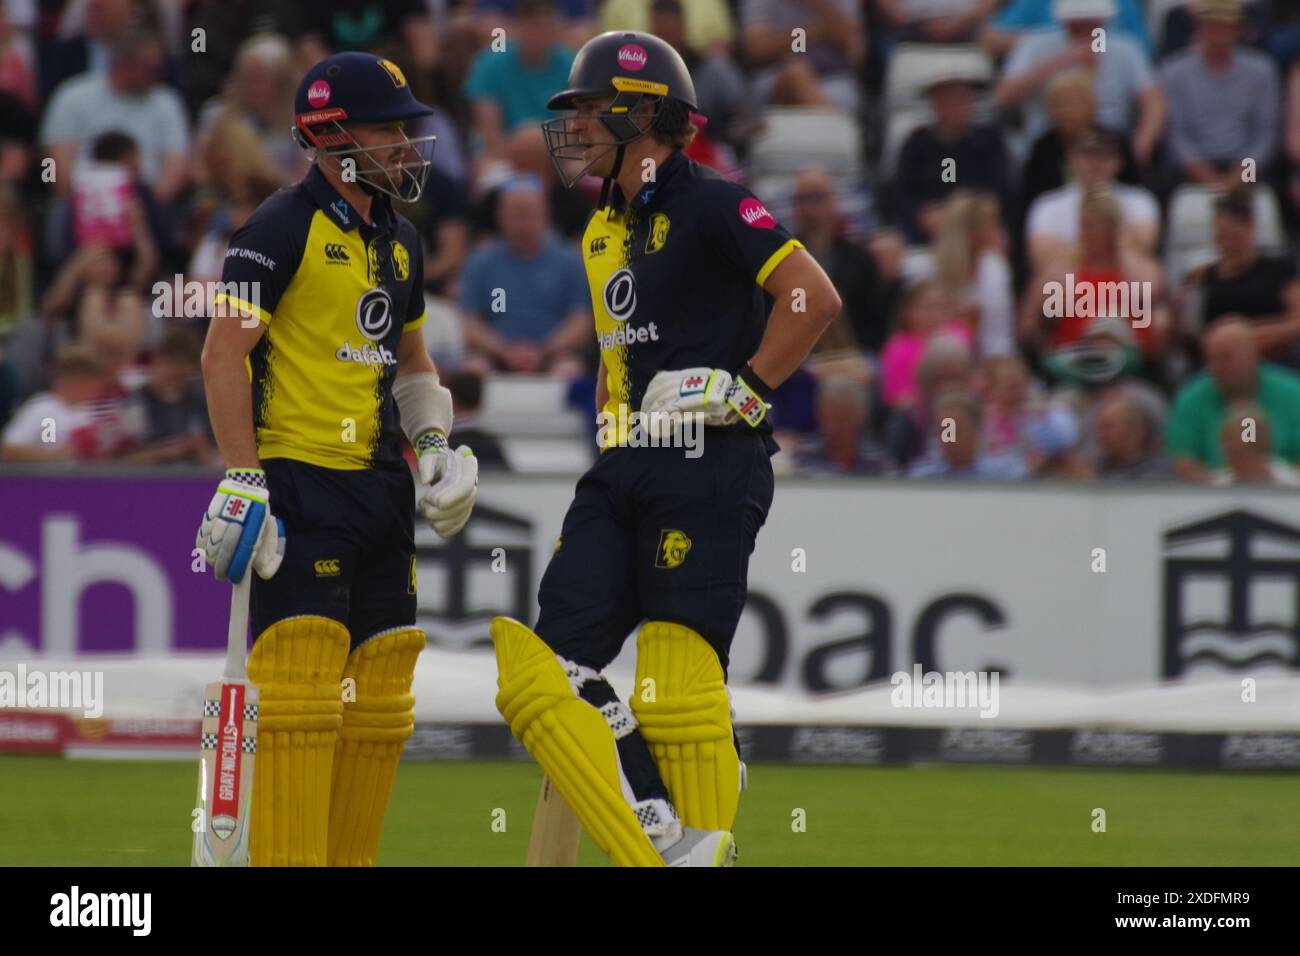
(88, 812)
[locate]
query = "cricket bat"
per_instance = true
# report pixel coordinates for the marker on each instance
(555, 830)
(227, 750)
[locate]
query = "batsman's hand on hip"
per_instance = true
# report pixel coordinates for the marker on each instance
(451, 483)
(238, 528)
(712, 392)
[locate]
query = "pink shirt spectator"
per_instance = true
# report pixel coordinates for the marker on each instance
(901, 356)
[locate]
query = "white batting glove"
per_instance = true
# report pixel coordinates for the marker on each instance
(451, 483)
(238, 528)
(711, 392)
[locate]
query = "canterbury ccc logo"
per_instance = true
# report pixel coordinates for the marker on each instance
(620, 295)
(335, 252)
(328, 568)
(375, 314)
(598, 245)
(673, 548)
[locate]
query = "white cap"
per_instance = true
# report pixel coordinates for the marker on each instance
(1084, 9)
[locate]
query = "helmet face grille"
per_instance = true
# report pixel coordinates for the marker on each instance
(569, 145)
(403, 180)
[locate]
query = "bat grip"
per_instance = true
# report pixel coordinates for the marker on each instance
(237, 637)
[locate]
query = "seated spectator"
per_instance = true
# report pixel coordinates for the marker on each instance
(970, 266)
(1247, 439)
(721, 90)
(1128, 98)
(927, 313)
(577, 18)
(958, 452)
(920, 186)
(1224, 102)
(60, 425)
(91, 292)
(1233, 373)
(842, 444)
(936, 21)
(1102, 279)
(1259, 25)
(823, 74)
(258, 95)
(1264, 289)
(167, 414)
(466, 387)
(1128, 440)
(128, 98)
(509, 88)
(708, 24)
(86, 34)
(861, 324)
(1005, 392)
(1022, 17)
(1103, 361)
(1052, 225)
(945, 365)
(525, 296)
(1073, 110)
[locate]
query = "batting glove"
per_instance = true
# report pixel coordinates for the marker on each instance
(712, 392)
(238, 528)
(451, 483)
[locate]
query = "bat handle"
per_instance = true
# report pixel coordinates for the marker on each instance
(237, 637)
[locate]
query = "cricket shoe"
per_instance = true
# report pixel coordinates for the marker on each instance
(701, 848)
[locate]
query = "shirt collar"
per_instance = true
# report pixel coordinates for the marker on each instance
(651, 192)
(343, 213)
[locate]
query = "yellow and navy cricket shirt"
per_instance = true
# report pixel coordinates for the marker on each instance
(676, 278)
(336, 294)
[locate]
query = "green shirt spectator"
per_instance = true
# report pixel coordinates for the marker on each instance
(1194, 422)
(519, 89)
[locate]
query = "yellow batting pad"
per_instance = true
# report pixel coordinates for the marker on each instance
(376, 725)
(296, 664)
(682, 706)
(570, 739)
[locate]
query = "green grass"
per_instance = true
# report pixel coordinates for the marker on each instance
(83, 812)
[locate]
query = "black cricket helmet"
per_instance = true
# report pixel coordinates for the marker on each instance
(628, 66)
(362, 88)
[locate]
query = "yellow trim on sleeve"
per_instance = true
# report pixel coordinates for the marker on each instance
(247, 307)
(776, 258)
(415, 323)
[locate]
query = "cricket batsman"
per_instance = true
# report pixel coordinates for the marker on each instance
(684, 267)
(315, 367)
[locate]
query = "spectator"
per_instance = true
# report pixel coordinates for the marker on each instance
(708, 25)
(1247, 439)
(952, 150)
(1260, 26)
(937, 21)
(1022, 17)
(510, 88)
(388, 28)
(258, 95)
(945, 365)
(1102, 279)
(577, 18)
(1005, 393)
(466, 387)
(17, 78)
(1224, 102)
(126, 98)
(1052, 225)
(958, 452)
(1233, 373)
(1264, 289)
(1128, 98)
(1073, 110)
(861, 324)
(927, 312)
(1128, 441)
(825, 73)
(85, 38)
(970, 266)
(841, 445)
(168, 414)
(525, 296)
(59, 425)
(721, 91)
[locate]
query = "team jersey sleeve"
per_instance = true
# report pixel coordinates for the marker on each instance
(260, 262)
(742, 230)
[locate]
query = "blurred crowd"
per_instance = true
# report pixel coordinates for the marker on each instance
(1062, 230)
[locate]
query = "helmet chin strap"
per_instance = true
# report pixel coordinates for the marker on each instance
(607, 186)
